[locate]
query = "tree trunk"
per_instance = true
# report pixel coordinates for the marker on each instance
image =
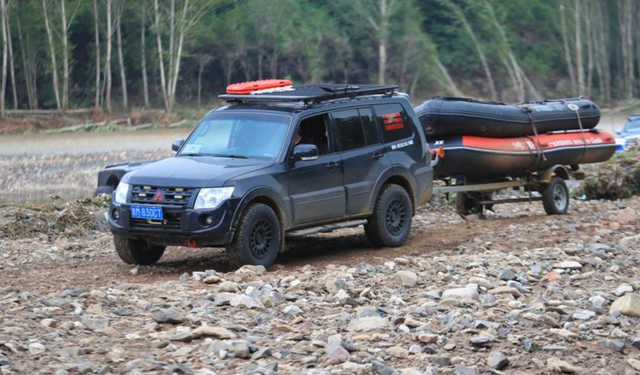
(567, 49)
(450, 83)
(145, 84)
(483, 58)
(27, 69)
(108, 61)
(12, 70)
(123, 76)
(589, 40)
(178, 54)
(3, 9)
(163, 80)
(65, 58)
(52, 52)
(98, 56)
(579, 63)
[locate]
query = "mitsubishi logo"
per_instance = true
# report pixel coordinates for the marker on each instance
(159, 197)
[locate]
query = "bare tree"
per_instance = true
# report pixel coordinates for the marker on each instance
(96, 19)
(3, 10)
(143, 56)
(479, 50)
(52, 53)
(123, 77)
(516, 72)
(567, 48)
(379, 14)
(626, 20)
(579, 63)
(29, 67)
(12, 71)
(65, 56)
(202, 63)
(178, 26)
(113, 21)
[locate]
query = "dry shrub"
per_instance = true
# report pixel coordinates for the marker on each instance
(64, 219)
(617, 178)
(97, 114)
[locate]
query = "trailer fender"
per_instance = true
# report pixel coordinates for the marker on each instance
(557, 170)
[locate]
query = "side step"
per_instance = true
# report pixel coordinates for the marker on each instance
(326, 228)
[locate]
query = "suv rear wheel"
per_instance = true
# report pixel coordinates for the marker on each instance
(137, 251)
(390, 224)
(258, 239)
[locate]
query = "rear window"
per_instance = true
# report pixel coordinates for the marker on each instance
(395, 122)
(349, 129)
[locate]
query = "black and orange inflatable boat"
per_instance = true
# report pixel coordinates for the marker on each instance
(470, 156)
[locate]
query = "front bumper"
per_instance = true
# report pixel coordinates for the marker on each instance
(187, 229)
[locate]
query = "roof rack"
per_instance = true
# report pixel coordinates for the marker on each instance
(310, 94)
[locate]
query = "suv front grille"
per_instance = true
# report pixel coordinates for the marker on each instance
(171, 196)
(171, 221)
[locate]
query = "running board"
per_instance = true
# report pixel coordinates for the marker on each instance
(326, 228)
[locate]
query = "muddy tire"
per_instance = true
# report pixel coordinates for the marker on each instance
(390, 224)
(140, 252)
(555, 197)
(258, 238)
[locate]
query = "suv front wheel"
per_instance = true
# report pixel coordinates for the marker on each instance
(133, 251)
(390, 224)
(258, 239)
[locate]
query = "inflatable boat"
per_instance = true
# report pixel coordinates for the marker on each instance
(480, 156)
(442, 116)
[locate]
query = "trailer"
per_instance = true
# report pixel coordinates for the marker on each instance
(473, 196)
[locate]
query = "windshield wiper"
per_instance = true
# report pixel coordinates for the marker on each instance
(229, 156)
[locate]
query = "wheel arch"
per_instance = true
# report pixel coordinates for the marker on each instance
(396, 176)
(266, 196)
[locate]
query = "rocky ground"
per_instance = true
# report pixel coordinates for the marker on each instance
(517, 293)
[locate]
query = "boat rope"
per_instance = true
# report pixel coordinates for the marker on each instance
(576, 109)
(539, 155)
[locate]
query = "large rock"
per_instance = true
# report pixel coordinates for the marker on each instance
(497, 360)
(568, 264)
(467, 293)
(629, 305)
(407, 278)
(215, 332)
(167, 316)
(559, 366)
(242, 300)
(368, 323)
(626, 216)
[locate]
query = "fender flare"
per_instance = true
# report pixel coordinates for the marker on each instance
(396, 172)
(559, 170)
(269, 196)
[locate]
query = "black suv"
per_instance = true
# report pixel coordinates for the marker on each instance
(289, 162)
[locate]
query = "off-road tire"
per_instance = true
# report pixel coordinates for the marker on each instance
(140, 252)
(390, 223)
(258, 238)
(555, 197)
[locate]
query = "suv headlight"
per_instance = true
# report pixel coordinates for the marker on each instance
(121, 193)
(212, 197)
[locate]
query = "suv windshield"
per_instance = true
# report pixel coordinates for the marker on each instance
(238, 135)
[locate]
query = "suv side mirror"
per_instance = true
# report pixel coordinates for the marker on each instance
(305, 152)
(175, 146)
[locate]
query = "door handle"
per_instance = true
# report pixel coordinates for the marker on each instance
(333, 164)
(377, 155)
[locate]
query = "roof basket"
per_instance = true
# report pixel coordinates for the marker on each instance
(310, 93)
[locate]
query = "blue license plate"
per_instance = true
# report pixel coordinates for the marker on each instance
(146, 212)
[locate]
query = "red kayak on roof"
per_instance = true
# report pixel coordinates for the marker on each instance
(470, 155)
(247, 88)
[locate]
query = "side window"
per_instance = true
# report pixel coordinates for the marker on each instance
(349, 129)
(313, 130)
(371, 132)
(395, 122)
